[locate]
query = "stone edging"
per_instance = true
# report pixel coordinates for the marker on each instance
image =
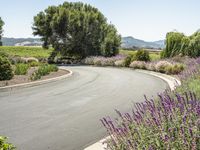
(171, 81)
(35, 83)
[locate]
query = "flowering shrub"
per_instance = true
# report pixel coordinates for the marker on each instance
(168, 67)
(161, 66)
(169, 123)
(192, 68)
(103, 61)
(120, 63)
(138, 65)
(164, 66)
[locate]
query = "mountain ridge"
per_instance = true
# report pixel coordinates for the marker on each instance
(128, 42)
(131, 42)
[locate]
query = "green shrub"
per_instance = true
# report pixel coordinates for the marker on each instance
(43, 70)
(177, 68)
(142, 55)
(6, 72)
(4, 145)
(21, 69)
(3, 54)
(34, 64)
(162, 54)
(128, 60)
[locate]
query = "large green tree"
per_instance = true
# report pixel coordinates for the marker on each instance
(177, 43)
(1, 30)
(76, 29)
(173, 44)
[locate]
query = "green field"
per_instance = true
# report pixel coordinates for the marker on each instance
(24, 51)
(39, 52)
(153, 55)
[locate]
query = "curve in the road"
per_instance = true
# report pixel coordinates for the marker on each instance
(65, 114)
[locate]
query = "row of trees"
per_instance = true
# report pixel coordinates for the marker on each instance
(76, 29)
(1, 30)
(179, 44)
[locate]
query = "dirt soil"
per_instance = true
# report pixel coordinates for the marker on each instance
(18, 79)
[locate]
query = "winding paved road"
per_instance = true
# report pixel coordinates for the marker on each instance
(65, 115)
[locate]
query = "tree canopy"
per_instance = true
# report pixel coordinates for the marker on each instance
(179, 44)
(76, 29)
(1, 30)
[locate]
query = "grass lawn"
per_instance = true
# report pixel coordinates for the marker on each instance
(153, 55)
(24, 51)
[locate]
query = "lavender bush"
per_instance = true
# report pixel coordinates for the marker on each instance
(192, 69)
(103, 61)
(166, 124)
(138, 65)
(162, 66)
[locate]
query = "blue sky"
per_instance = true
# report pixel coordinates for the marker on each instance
(144, 19)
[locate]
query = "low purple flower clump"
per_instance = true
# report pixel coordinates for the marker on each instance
(193, 68)
(170, 122)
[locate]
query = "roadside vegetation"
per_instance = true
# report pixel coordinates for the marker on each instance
(43, 70)
(140, 59)
(4, 145)
(171, 120)
(15, 70)
(179, 44)
(153, 55)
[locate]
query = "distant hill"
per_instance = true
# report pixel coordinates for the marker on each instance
(130, 42)
(127, 42)
(21, 41)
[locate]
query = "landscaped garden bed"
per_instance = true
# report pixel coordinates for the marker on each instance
(19, 79)
(18, 70)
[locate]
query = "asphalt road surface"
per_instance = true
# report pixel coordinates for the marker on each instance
(64, 115)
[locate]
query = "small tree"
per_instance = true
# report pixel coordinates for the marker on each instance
(1, 30)
(76, 29)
